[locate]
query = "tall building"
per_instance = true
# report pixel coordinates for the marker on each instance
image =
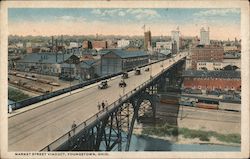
(147, 40)
(204, 39)
(175, 37)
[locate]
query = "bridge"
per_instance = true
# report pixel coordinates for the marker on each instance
(48, 126)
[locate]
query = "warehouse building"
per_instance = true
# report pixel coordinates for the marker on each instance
(212, 80)
(42, 63)
(117, 60)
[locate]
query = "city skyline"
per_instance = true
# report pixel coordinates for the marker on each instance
(223, 23)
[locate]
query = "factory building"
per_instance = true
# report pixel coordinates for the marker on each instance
(117, 60)
(42, 63)
(212, 80)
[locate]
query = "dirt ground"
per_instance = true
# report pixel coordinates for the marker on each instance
(48, 87)
(224, 122)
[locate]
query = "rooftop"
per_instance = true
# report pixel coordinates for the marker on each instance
(50, 58)
(124, 54)
(213, 74)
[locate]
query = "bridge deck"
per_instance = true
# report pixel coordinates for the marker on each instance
(32, 130)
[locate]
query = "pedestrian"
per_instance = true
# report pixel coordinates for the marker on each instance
(106, 103)
(73, 127)
(10, 109)
(99, 106)
(103, 105)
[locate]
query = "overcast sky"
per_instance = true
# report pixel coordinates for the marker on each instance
(223, 23)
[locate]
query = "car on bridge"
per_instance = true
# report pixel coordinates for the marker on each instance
(124, 75)
(137, 71)
(122, 83)
(147, 69)
(103, 85)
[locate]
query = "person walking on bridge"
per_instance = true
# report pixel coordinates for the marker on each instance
(103, 105)
(73, 127)
(99, 106)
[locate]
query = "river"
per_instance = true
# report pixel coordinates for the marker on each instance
(145, 143)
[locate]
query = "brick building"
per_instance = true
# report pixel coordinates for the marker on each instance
(30, 50)
(206, 53)
(99, 44)
(211, 80)
(86, 45)
(147, 40)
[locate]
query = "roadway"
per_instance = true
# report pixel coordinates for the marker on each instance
(34, 129)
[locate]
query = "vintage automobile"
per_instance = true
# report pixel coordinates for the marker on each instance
(122, 84)
(147, 69)
(124, 75)
(137, 72)
(103, 85)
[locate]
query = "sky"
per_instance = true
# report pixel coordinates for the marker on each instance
(223, 23)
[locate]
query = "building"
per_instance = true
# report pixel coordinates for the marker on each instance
(206, 53)
(147, 40)
(163, 54)
(175, 37)
(73, 45)
(77, 68)
(123, 43)
(204, 37)
(195, 41)
(211, 80)
(99, 45)
(211, 66)
(42, 63)
(111, 44)
(90, 69)
(230, 48)
(30, 50)
(174, 48)
(164, 45)
(70, 67)
(86, 45)
(117, 60)
(20, 45)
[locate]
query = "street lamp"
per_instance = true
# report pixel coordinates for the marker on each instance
(70, 71)
(150, 69)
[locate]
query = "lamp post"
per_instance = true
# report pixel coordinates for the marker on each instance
(150, 69)
(70, 71)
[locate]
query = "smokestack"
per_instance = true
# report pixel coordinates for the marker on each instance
(52, 41)
(61, 40)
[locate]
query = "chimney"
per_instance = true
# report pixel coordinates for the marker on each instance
(61, 40)
(52, 41)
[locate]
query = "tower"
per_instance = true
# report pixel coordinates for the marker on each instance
(175, 37)
(147, 40)
(204, 36)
